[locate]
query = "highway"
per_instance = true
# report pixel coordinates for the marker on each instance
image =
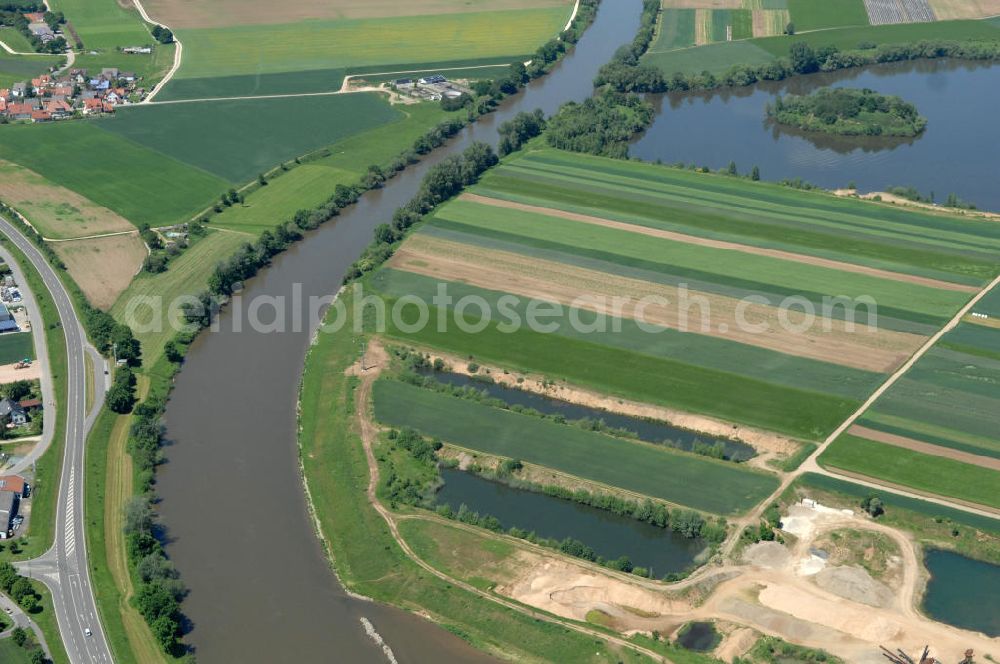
(64, 568)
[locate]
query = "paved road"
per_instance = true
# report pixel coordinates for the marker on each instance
(13, 613)
(64, 568)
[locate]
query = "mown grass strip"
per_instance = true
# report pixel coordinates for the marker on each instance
(932, 474)
(704, 484)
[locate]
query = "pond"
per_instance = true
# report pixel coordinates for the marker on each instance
(963, 592)
(658, 549)
(956, 154)
(650, 431)
(699, 636)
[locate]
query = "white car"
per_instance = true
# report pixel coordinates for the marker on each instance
(86, 630)
(9, 610)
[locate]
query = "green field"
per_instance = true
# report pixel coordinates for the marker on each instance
(104, 24)
(14, 39)
(932, 474)
(236, 140)
(655, 471)
(15, 68)
(813, 15)
(311, 184)
(15, 346)
(140, 184)
(11, 653)
(188, 275)
(849, 38)
(714, 58)
(315, 45)
(676, 30)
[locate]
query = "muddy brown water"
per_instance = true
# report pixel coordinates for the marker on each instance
(261, 588)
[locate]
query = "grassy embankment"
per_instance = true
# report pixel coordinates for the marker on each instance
(365, 556)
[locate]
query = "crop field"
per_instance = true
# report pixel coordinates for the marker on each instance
(102, 267)
(14, 68)
(685, 23)
(676, 29)
(139, 184)
(944, 412)
(655, 471)
(394, 44)
(312, 183)
(16, 346)
(235, 140)
(54, 211)
(957, 9)
(224, 13)
(769, 22)
(714, 58)
(812, 15)
(188, 275)
(104, 24)
(579, 231)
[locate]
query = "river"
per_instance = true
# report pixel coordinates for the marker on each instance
(956, 154)
(261, 589)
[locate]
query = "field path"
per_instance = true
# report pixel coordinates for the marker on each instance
(369, 369)
(722, 244)
(811, 465)
(178, 53)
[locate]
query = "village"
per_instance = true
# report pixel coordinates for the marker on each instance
(72, 94)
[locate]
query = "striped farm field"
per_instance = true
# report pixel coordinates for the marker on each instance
(935, 430)
(655, 471)
(632, 246)
(676, 29)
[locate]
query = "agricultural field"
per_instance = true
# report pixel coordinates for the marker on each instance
(946, 10)
(276, 55)
(102, 267)
(235, 140)
(141, 185)
(812, 15)
(54, 211)
(104, 24)
(309, 185)
(686, 23)
(943, 414)
(15, 40)
(714, 58)
(577, 231)
(656, 471)
(14, 68)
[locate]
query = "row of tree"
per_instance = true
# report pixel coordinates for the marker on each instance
(18, 588)
(632, 76)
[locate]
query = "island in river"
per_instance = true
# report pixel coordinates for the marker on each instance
(848, 112)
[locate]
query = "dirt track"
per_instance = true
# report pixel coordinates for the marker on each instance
(720, 244)
(781, 330)
(924, 448)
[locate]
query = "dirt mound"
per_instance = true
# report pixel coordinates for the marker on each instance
(770, 555)
(855, 584)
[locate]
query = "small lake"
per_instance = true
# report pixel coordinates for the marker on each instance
(648, 430)
(699, 636)
(963, 592)
(957, 152)
(659, 549)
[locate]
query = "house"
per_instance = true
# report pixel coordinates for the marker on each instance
(110, 73)
(92, 105)
(11, 411)
(30, 405)
(41, 116)
(100, 84)
(18, 112)
(19, 89)
(15, 484)
(42, 31)
(41, 82)
(7, 322)
(8, 510)
(137, 49)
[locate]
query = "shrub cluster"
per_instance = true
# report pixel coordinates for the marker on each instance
(18, 588)
(848, 112)
(602, 125)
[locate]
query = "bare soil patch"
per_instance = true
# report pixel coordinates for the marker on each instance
(538, 384)
(226, 13)
(891, 199)
(758, 325)
(103, 267)
(953, 9)
(924, 448)
(855, 584)
(721, 244)
(55, 211)
(8, 374)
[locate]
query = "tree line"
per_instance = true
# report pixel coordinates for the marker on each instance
(629, 75)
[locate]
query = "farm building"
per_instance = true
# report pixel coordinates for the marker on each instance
(15, 484)
(12, 412)
(7, 322)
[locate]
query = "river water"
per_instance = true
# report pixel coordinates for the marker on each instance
(232, 500)
(956, 154)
